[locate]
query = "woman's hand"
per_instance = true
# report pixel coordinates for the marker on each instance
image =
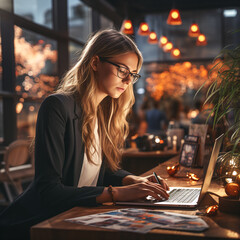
(132, 179)
(140, 191)
(134, 192)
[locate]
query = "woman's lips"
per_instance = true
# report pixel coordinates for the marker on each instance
(121, 89)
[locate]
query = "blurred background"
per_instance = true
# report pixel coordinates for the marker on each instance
(180, 41)
(41, 39)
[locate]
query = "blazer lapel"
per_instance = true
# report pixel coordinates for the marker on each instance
(79, 146)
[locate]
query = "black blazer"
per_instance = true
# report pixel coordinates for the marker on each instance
(59, 152)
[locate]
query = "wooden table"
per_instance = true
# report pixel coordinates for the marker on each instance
(222, 226)
(138, 162)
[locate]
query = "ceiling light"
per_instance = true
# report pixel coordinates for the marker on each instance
(175, 53)
(127, 27)
(230, 12)
(143, 29)
(194, 30)
(152, 39)
(174, 17)
(201, 40)
(163, 41)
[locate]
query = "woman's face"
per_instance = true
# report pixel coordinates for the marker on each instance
(109, 84)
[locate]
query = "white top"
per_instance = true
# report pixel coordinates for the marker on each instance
(90, 172)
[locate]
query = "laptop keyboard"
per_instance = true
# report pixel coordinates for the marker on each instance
(183, 195)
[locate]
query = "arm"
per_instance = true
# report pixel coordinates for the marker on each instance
(50, 156)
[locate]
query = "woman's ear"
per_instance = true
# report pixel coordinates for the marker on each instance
(94, 63)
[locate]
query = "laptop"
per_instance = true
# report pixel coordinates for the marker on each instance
(185, 197)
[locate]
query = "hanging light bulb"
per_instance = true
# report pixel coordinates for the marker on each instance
(174, 17)
(143, 29)
(127, 27)
(176, 53)
(194, 30)
(152, 39)
(163, 41)
(201, 40)
(168, 47)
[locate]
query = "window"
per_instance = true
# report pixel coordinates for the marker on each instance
(74, 53)
(79, 20)
(36, 64)
(1, 120)
(38, 11)
(26, 118)
(0, 58)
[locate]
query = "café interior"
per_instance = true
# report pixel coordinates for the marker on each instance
(187, 96)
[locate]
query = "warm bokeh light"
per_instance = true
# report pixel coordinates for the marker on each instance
(178, 79)
(153, 35)
(127, 27)
(174, 17)
(163, 41)
(194, 28)
(143, 29)
(19, 107)
(201, 38)
(31, 108)
(174, 14)
(176, 52)
(32, 59)
(18, 88)
(152, 39)
(168, 47)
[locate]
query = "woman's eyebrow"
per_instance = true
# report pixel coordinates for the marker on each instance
(126, 66)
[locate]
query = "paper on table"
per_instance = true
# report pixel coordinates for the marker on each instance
(142, 220)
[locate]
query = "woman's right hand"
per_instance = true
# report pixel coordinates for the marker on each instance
(134, 192)
(139, 191)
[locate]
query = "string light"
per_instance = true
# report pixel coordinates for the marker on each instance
(143, 29)
(168, 47)
(194, 30)
(201, 40)
(163, 41)
(152, 39)
(174, 17)
(176, 53)
(127, 27)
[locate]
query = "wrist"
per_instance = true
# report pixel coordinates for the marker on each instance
(112, 192)
(129, 179)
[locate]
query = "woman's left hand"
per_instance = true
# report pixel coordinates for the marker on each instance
(132, 179)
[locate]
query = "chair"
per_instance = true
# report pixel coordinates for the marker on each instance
(17, 165)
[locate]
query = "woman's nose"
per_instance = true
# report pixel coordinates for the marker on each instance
(128, 79)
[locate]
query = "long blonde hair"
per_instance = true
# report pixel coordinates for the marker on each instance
(111, 113)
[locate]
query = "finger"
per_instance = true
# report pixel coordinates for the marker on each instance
(163, 183)
(156, 188)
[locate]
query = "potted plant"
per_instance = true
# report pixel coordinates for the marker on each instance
(224, 95)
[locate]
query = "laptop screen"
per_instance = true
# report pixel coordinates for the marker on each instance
(211, 166)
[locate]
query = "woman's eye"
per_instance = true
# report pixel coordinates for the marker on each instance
(123, 70)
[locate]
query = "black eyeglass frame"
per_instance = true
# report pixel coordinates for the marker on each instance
(134, 75)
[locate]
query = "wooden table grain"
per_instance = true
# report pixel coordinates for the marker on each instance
(221, 226)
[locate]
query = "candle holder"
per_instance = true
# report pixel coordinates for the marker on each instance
(172, 170)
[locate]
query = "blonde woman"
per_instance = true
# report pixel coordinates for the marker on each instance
(80, 131)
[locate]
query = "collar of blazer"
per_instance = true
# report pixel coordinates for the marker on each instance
(77, 108)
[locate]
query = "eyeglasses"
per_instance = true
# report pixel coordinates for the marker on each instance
(123, 72)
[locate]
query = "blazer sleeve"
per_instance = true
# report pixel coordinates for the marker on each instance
(115, 178)
(49, 160)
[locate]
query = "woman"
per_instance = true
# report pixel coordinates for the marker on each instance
(80, 131)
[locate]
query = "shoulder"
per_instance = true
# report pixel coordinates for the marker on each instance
(59, 103)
